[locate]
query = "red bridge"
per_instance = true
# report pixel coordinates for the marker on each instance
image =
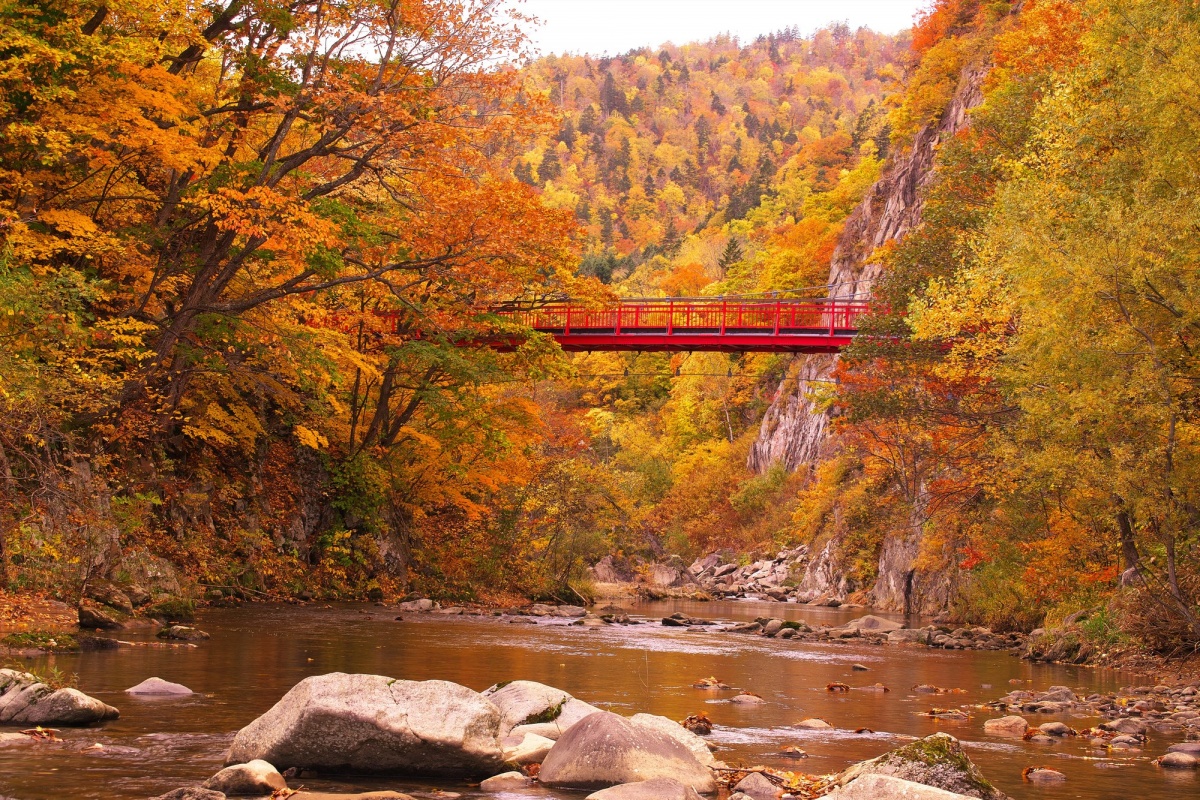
(697, 324)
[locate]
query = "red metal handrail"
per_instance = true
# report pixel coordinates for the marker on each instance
(674, 317)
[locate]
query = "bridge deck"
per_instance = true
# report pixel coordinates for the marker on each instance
(705, 324)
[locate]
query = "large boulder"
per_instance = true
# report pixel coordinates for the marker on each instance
(252, 778)
(25, 700)
(937, 760)
(679, 733)
(885, 787)
(656, 789)
(531, 703)
(606, 749)
(374, 724)
(668, 576)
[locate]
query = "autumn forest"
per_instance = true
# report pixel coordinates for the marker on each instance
(250, 249)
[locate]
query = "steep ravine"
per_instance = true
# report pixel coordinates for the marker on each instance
(795, 431)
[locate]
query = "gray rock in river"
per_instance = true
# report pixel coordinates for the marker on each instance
(252, 778)
(526, 749)
(384, 795)
(375, 724)
(191, 793)
(756, 787)
(1012, 726)
(27, 701)
(506, 782)
(1178, 760)
(908, 636)
(606, 749)
(656, 789)
(937, 760)
(524, 703)
(873, 623)
(772, 627)
(671, 728)
(885, 787)
(183, 633)
(157, 686)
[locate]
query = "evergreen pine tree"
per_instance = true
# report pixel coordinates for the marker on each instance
(732, 253)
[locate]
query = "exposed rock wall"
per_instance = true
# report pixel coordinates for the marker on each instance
(794, 431)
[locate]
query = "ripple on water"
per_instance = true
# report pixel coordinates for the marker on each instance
(787, 733)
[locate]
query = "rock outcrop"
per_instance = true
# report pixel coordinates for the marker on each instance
(375, 724)
(26, 700)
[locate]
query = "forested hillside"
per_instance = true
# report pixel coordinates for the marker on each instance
(243, 245)
(714, 168)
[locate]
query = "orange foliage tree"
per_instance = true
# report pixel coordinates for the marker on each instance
(232, 223)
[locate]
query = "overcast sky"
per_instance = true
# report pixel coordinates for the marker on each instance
(615, 26)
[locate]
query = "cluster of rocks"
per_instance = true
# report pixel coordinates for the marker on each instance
(1133, 710)
(1132, 715)
(767, 578)
(878, 630)
(668, 577)
(870, 628)
(371, 724)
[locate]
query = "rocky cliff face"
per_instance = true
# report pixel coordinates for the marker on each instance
(794, 431)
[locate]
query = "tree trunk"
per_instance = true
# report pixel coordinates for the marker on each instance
(1129, 551)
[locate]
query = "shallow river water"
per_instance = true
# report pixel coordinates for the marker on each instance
(258, 652)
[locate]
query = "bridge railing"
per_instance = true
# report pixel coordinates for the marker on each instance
(715, 315)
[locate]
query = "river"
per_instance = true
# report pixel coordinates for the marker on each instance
(258, 652)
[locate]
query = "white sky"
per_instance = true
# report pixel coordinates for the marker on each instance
(615, 26)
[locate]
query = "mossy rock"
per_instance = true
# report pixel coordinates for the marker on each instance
(177, 609)
(938, 760)
(49, 641)
(549, 715)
